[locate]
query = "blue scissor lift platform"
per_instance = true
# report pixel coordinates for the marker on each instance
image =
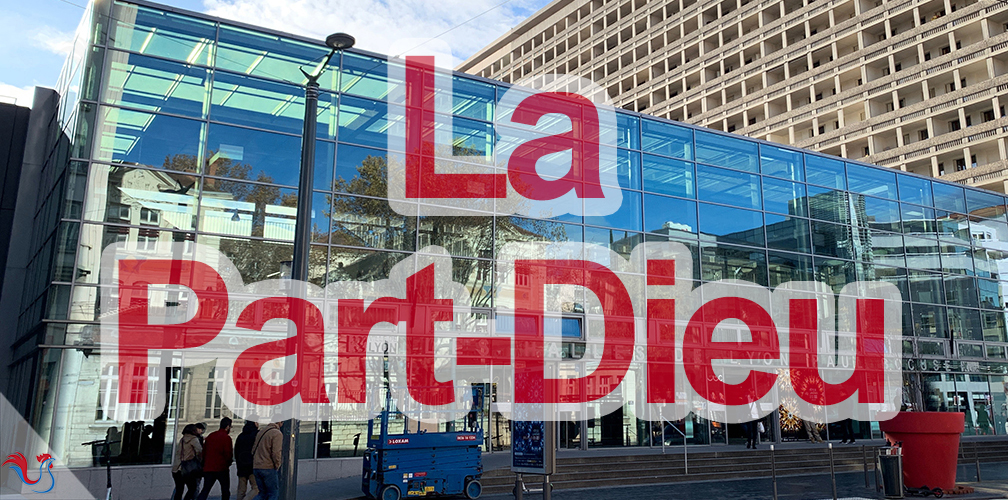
(421, 463)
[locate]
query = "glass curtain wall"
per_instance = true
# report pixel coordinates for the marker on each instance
(188, 130)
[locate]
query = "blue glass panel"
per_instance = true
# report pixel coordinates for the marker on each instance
(240, 153)
(728, 186)
(628, 131)
(364, 76)
(917, 219)
(833, 240)
(664, 215)
(834, 272)
(361, 170)
(521, 230)
(788, 233)
(324, 154)
(949, 197)
(825, 171)
(873, 181)
(137, 138)
(914, 190)
(727, 151)
(473, 99)
(984, 204)
(922, 252)
(879, 214)
(728, 262)
(732, 225)
(164, 34)
(627, 217)
(620, 241)
(270, 56)
(263, 104)
(784, 197)
(472, 138)
(828, 204)
(666, 139)
(780, 162)
(785, 267)
(628, 168)
(155, 85)
(662, 175)
(363, 121)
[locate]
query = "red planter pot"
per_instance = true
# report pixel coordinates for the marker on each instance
(930, 446)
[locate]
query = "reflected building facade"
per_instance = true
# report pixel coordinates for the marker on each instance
(174, 127)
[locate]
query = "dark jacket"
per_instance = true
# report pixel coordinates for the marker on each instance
(243, 449)
(217, 452)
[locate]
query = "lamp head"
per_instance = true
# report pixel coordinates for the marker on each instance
(339, 41)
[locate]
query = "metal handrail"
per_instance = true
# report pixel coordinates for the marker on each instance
(681, 433)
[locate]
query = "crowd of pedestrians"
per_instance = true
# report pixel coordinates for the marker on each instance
(256, 454)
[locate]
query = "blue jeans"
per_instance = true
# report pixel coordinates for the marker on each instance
(268, 481)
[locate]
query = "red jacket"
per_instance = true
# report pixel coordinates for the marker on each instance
(218, 452)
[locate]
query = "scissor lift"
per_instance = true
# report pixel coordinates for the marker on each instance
(421, 463)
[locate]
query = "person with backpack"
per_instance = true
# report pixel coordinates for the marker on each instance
(266, 459)
(247, 489)
(218, 453)
(188, 467)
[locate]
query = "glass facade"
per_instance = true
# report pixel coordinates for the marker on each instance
(187, 129)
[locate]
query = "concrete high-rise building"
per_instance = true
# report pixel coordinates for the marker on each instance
(917, 85)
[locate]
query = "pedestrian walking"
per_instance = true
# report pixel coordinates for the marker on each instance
(266, 460)
(813, 431)
(847, 429)
(188, 466)
(247, 489)
(218, 453)
(752, 428)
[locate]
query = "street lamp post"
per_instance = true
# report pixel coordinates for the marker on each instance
(302, 238)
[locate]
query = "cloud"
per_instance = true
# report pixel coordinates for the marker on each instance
(53, 40)
(376, 24)
(22, 96)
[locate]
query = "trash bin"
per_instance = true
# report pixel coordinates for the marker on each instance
(890, 466)
(930, 444)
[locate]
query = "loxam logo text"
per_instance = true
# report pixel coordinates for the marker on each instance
(550, 152)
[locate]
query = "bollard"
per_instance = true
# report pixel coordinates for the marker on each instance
(976, 457)
(518, 487)
(546, 487)
(832, 470)
(773, 471)
(864, 460)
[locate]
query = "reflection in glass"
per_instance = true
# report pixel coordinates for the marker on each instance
(517, 229)
(880, 214)
(781, 162)
(835, 273)
(628, 131)
(355, 264)
(823, 171)
(246, 154)
(948, 197)
(871, 181)
(922, 252)
(960, 291)
(925, 287)
(832, 239)
(163, 34)
(155, 85)
(256, 260)
(732, 225)
(728, 187)
(726, 262)
(829, 205)
(666, 139)
(371, 223)
(628, 216)
(245, 209)
(917, 219)
(669, 216)
(784, 197)
(965, 324)
(138, 138)
(985, 204)
(252, 102)
(460, 236)
(785, 267)
(155, 198)
(726, 151)
(270, 56)
(788, 233)
(666, 176)
(929, 321)
(993, 326)
(914, 190)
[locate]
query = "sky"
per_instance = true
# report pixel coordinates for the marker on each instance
(36, 35)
